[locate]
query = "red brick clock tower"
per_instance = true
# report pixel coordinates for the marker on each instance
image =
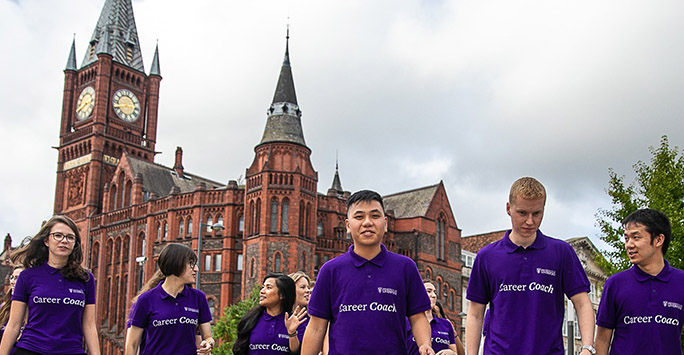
(109, 106)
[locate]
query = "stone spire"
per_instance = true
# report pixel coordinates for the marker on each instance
(154, 70)
(116, 34)
(71, 62)
(284, 117)
(336, 184)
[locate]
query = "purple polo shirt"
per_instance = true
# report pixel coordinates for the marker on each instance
(55, 310)
(367, 301)
(442, 336)
(170, 323)
(645, 311)
(525, 288)
(269, 336)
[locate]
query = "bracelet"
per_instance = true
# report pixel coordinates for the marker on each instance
(293, 334)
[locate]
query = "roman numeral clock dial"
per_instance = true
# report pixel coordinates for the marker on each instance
(126, 105)
(85, 103)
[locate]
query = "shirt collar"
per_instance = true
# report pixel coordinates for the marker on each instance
(51, 270)
(664, 275)
(510, 247)
(267, 317)
(378, 260)
(163, 294)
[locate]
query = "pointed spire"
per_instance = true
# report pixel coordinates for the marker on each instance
(71, 62)
(284, 116)
(337, 184)
(154, 70)
(116, 34)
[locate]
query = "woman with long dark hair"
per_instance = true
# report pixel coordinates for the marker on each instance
(58, 293)
(170, 313)
(444, 340)
(272, 327)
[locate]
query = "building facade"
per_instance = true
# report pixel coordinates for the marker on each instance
(127, 207)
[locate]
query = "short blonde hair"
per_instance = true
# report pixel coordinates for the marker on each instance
(298, 275)
(527, 188)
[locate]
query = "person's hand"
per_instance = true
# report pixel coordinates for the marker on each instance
(206, 346)
(425, 349)
(293, 321)
(447, 352)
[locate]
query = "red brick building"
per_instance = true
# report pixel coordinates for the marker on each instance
(128, 207)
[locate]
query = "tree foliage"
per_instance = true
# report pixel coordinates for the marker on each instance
(225, 330)
(658, 185)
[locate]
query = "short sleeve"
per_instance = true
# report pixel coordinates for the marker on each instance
(478, 285)
(90, 289)
(203, 305)
(574, 277)
(21, 289)
(606, 316)
(320, 301)
(301, 329)
(452, 335)
(139, 316)
(417, 299)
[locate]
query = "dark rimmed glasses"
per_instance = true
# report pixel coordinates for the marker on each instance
(57, 236)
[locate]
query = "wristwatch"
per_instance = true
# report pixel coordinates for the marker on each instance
(588, 347)
(296, 332)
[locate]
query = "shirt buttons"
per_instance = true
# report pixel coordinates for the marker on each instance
(369, 276)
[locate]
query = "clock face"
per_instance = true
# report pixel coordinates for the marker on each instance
(126, 105)
(85, 104)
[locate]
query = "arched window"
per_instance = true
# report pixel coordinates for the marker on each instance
(159, 227)
(319, 229)
(274, 216)
(252, 216)
(128, 193)
(307, 219)
(284, 216)
(440, 236)
(219, 219)
(166, 230)
(252, 268)
(113, 197)
(241, 224)
(302, 231)
(276, 263)
(258, 216)
(189, 230)
(180, 228)
(208, 224)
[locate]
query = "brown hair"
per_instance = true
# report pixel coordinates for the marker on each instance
(295, 276)
(36, 252)
(174, 258)
(527, 188)
(7, 300)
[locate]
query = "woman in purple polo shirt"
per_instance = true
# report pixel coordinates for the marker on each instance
(272, 327)
(443, 336)
(302, 288)
(7, 301)
(170, 313)
(58, 293)
(150, 284)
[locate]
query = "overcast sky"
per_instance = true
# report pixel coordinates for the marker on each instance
(474, 93)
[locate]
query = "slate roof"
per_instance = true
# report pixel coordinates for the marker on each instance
(71, 62)
(412, 203)
(474, 243)
(284, 116)
(161, 180)
(115, 33)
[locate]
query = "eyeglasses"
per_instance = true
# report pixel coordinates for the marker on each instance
(57, 236)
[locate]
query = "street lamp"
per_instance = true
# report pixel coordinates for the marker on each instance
(216, 227)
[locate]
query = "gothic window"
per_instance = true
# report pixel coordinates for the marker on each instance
(252, 268)
(241, 225)
(302, 232)
(284, 226)
(189, 230)
(274, 216)
(307, 218)
(166, 230)
(158, 231)
(251, 221)
(117, 251)
(95, 256)
(126, 248)
(219, 219)
(319, 229)
(218, 262)
(208, 224)
(258, 216)
(128, 193)
(180, 228)
(276, 263)
(113, 196)
(440, 235)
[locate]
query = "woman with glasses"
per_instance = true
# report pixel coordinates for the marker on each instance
(170, 313)
(272, 327)
(58, 293)
(7, 300)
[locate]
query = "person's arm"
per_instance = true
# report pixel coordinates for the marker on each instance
(585, 317)
(313, 336)
(457, 347)
(133, 336)
(17, 311)
(90, 330)
(474, 322)
(421, 331)
(603, 338)
(292, 322)
(208, 342)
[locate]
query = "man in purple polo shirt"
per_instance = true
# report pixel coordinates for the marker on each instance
(524, 277)
(366, 294)
(642, 305)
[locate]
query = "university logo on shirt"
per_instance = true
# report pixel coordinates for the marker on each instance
(672, 305)
(546, 272)
(387, 290)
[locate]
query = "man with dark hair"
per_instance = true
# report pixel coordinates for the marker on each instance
(641, 307)
(367, 293)
(525, 277)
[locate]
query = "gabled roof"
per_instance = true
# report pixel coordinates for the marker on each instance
(412, 203)
(116, 34)
(161, 180)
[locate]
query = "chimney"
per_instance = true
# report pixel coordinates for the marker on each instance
(178, 166)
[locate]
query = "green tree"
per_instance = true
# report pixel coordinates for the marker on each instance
(225, 330)
(658, 185)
